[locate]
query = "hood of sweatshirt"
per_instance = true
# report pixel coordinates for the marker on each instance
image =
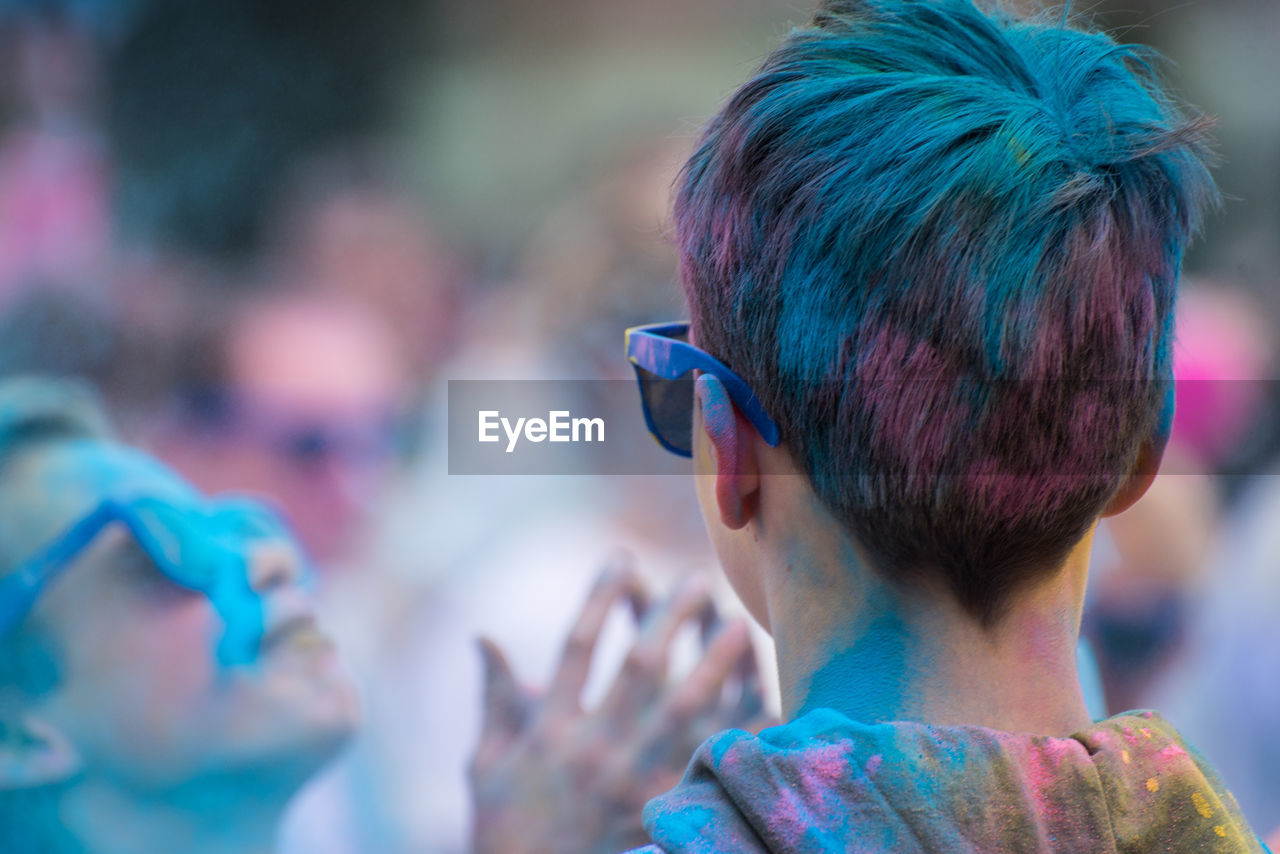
(826, 783)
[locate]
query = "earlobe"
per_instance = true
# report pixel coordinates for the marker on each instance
(33, 754)
(1139, 480)
(729, 438)
(1149, 457)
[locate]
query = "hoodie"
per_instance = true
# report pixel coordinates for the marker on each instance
(825, 783)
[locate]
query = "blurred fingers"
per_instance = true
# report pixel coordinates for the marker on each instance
(618, 580)
(644, 671)
(699, 695)
(505, 704)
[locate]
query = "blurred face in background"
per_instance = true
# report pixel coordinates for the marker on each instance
(379, 247)
(139, 695)
(311, 402)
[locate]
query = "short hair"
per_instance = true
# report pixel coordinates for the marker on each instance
(942, 244)
(34, 411)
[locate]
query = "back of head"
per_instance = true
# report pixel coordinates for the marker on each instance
(942, 244)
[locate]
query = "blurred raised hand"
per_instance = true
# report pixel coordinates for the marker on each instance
(550, 775)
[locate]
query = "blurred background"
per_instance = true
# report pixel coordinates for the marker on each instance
(270, 232)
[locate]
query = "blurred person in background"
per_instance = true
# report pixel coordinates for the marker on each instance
(210, 108)
(1148, 563)
(1222, 691)
(1153, 563)
(54, 170)
(296, 393)
(165, 686)
(347, 225)
(55, 247)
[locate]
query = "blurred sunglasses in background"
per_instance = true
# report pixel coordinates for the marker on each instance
(663, 358)
(204, 549)
(302, 437)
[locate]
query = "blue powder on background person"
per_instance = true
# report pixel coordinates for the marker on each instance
(120, 721)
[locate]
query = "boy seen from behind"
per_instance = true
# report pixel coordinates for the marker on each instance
(931, 254)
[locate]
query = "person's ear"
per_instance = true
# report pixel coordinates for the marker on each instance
(34, 753)
(1143, 474)
(729, 436)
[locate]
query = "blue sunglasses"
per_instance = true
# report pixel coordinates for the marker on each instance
(662, 357)
(205, 549)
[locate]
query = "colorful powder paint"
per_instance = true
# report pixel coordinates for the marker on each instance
(870, 678)
(827, 783)
(200, 545)
(920, 222)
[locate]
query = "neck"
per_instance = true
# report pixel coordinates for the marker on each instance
(112, 819)
(848, 640)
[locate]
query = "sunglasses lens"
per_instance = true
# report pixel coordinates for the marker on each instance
(669, 404)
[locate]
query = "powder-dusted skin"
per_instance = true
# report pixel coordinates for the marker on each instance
(825, 783)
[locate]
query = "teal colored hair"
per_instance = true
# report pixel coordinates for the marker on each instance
(943, 244)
